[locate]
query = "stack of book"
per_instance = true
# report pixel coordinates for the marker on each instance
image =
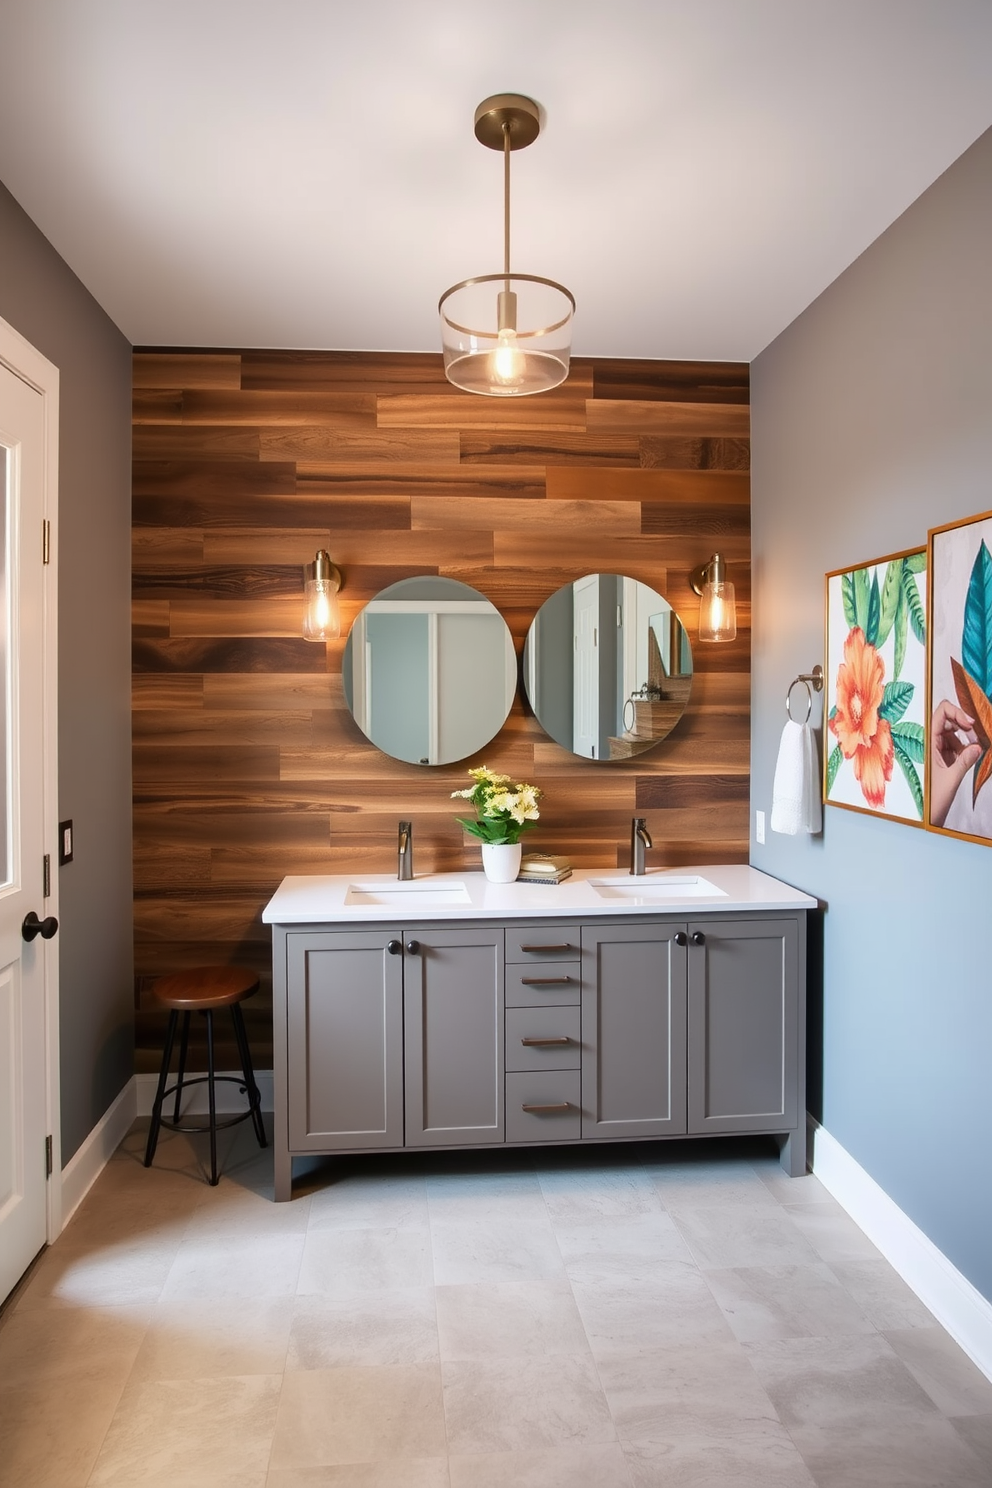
(539, 868)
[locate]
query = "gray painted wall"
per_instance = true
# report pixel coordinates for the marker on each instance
(872, 421)
(43, 299)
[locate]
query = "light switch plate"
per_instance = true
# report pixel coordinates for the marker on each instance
(65, 842)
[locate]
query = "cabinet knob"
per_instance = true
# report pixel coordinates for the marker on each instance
(394, 947)
(680, 938)
(698, 938)
(413, 946)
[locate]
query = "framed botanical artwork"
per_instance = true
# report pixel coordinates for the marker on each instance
(959, 762)
(875, 738)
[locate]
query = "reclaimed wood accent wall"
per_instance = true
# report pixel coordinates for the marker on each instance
(247, 763)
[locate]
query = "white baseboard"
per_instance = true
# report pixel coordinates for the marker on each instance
(229, 1098)
(952, 1299)
(89, 1160)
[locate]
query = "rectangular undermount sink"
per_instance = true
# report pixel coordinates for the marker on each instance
(409, 894)
(649, 890)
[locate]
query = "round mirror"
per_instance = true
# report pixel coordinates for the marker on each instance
(607, 667)
(429, 671)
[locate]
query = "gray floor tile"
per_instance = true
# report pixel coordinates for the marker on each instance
(558, 1467)
(724, 1237)
(750, 1454)
(955, 1385)
(657, 1394)
(762, 1303)
(882, 1295)
(508, 1320)
(976, 1431)
(511, 1405)
(920, 1453)
(365, 1328)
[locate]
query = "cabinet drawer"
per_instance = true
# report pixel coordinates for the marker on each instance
(556, 982)
(534, 1038)
(543, 943)
(559, 1092)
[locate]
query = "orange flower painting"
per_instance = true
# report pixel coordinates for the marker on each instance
(876, 626)
(864, 736)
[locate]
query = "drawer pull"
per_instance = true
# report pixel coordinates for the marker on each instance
(565, 947)
(545, 1110)
(544, 981)
(538, 1043)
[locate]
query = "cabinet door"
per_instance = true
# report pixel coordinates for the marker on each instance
(633, 1032)
(344, 998)
(743, 1025)
(453, 1010)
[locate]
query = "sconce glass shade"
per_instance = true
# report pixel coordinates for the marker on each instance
(506, 336)
(321, 615)
(718, 613)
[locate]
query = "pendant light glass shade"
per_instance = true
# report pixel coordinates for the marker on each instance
(506, 335)
(322, 615)
(717, 606)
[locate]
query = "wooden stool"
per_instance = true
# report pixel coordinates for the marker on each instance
(201, 991)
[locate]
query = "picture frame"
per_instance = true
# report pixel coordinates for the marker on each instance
(959, 761)
(875, 709)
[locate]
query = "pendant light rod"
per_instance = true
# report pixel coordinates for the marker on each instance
(506, 201)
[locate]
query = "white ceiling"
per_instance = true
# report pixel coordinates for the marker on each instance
(303, 173)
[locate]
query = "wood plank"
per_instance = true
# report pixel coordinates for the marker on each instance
(153, 406)
(150, 617)
(675, 452)
(691, 487)
(203, 442)
(348, 371)
(443, 514)
(684, 791)
(170, 690)
(262, 581)
(327, 445)
(153, 547)
(228, 655)
(467, 482)
(562, 409)
(340, 410)
(522, 448)
(238, 617)
(183, 369)
(728, 420)
(403, 549)
(213, 479)
(246, 830)
(179, 729)
(717, 523)
(687, 382)
(162, 762)
(239, 691)
(235, 509)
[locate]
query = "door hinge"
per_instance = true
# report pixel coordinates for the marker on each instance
(48, 1157)
(46, 541)
(46, 876)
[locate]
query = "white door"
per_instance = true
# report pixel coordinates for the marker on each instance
(24, 966)
(585, 689)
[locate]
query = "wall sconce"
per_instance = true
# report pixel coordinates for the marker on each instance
(717, 609)
(321, 617)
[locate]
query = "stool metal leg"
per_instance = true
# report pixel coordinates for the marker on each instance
(183, 1048)
(163, 1077)
(212, 1095)
(252, 1090)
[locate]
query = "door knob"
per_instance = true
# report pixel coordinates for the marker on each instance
(394, 947)
(680, 938)
(413, 946)
(698, 938)
(32, 926)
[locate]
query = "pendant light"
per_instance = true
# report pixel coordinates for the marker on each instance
(717, 608)
(506, 335)
(321, 615)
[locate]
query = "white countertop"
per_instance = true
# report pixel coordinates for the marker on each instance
(357, 898)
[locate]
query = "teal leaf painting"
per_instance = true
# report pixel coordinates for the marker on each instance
(908, 768)
(895, 700)
(847, 599)
(917, 562)
(911, 740)
(891, 590)
(976, 639)
(874, 612)
(861, 598)
(833, 765)
(900, 628)
(917, 613)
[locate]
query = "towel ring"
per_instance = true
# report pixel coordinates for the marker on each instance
(799, 682)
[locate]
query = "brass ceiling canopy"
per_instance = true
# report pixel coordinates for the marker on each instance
(525, 348)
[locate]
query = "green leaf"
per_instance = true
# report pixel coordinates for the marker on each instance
(874, 612)
(908, 768)
(895, 700)
(862, 598)
(901, 628)
(917, 562)
(891, 590)
(976, 640)
(917, 613)
(911, 738)
(833, 712)
(847, 596)
(833, 765)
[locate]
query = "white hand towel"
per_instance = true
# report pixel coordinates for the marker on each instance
(788, 791)
(812, 804)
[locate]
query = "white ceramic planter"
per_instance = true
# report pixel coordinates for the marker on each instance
(501, 861)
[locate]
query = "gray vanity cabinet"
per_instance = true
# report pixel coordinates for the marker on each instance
(633, 1031)
(453, 1013)
(744, 1025)
(344, 1033)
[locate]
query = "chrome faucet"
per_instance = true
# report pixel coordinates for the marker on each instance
(404, 851)
(640, 838)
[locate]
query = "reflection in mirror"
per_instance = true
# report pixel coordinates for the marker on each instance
(607, 667)
(429, 671)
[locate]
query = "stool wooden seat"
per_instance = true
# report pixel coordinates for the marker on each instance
(202, 990)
